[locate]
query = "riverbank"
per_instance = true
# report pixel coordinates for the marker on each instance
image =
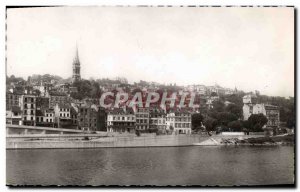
(100, 141)
(260, 140)
(131, 140)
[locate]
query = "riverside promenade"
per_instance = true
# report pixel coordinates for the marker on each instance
(48, 138)
(101, 141)
(98, 141)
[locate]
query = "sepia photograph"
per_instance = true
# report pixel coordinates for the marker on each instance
(163, 96)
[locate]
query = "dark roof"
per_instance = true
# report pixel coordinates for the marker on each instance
(157, 111)
(271, 107)
(120, 111)
(49, 110)
(182, 110)
(39, 113)
(64, 105)
(73, 111)
(16, 109)
(57, 94)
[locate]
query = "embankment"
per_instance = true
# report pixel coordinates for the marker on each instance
(94, 141)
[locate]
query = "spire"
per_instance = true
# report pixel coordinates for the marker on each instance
(76, 66)
(76, 59)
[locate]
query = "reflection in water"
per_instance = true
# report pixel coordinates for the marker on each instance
(243, 165)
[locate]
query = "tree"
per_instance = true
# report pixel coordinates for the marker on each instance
(84, 88)
(218, 106)
(257, 121)
(225, 117)
(235, 126)
(210, 123)
(197, 119)
(213, 94)
(95, 90)
(234, 109)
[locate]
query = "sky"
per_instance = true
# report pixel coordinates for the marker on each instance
(248, 48)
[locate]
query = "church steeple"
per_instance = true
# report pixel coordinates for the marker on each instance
(76, 67)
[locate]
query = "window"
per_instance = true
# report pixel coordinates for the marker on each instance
(31, 118)
(60, 115)
(25, 106)
(42, 119)
(31, 112)
(32, 100)
(31, 105)
(47, 120)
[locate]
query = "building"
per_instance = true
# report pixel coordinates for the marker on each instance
(229, 91)
(28, 108)
(14, 116)
(12, 99)
(157, 120)
(272, 114)
(49, 116)
(74, 115)
(180, 121)
(42, 103)
(270, 111)
(199, 89)
(87, 117)
(121, 120)
(62, 113)
(45, 117)
(76, 68)
(101, 119)
(57, 98)
(142, 118)
(43, 88)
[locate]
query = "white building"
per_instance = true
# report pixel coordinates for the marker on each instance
(270, 111)
(120, 120)
(49, 116)
(180, 121)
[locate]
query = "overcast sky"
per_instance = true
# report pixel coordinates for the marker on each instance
(250, 48)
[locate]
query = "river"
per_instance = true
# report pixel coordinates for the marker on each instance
(199, 165)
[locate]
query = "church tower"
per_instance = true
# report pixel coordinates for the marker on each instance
(76, 67)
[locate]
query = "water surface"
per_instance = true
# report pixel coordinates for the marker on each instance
(215, 165)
